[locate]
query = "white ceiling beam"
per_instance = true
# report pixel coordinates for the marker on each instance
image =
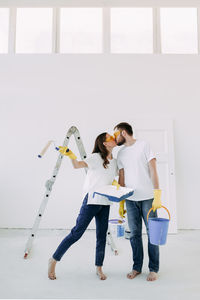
(99, 3)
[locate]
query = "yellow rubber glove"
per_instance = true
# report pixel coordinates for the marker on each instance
(157, 200)
(116, 184)
(67, 152)
(122, 211)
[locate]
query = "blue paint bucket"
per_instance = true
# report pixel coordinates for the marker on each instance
(117, 227)
(158, 229)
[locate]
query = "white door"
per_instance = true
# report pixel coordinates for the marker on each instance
(159, 133)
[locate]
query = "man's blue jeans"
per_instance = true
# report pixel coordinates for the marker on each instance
(136, 210)
(87, 212)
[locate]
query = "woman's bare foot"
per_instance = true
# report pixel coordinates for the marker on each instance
(133, 274)
(100, 274)
(152, 276)
(51, 268)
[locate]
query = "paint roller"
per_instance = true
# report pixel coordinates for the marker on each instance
(46, 148)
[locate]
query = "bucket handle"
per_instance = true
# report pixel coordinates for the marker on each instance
(161, 206)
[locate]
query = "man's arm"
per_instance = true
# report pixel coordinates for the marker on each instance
(153, 173)
(121, 177)
(157, 192)
(122, 211)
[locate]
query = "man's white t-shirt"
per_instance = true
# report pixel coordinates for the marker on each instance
(134, 160)
(97, 176)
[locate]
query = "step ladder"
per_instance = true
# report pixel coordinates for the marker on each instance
(48, 185)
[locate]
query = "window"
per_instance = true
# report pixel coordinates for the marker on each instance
(131, 30)
(34, 30)
(106, 27)
(179, 30)
(4, 27)
(81, 30)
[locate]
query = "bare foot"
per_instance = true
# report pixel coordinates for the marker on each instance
(133, 274)
(100, 274)
(51, 268)
(152, 276)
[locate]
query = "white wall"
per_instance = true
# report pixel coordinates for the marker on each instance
(41, 96)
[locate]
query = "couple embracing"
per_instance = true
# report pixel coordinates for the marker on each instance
(136, 167)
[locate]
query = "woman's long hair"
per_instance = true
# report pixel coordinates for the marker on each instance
(101, 149)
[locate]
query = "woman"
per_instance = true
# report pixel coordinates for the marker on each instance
(102, 169)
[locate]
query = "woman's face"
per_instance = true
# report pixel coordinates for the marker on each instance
(110, 141)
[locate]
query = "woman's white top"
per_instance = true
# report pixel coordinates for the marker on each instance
(97, 176)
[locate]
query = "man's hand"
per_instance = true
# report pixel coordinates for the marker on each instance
(157, 200)
(122, 211)
(67, 152)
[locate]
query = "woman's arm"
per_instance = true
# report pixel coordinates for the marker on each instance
(79, 164)
(76, 164)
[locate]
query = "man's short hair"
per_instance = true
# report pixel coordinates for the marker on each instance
(124, 126)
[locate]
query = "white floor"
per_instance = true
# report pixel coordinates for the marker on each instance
(179, 276)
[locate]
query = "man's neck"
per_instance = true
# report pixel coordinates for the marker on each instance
(130, 141)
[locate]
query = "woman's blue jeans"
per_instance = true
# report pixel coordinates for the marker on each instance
(87, 212)
(136, 210)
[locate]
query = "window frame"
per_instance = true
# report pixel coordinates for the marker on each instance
(106, 5)
(8, 26)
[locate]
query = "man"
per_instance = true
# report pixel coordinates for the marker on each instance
(137, 170)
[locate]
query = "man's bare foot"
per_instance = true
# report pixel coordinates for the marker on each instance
(100, 274)
(133, 274)
(152, 276)
(51, 268)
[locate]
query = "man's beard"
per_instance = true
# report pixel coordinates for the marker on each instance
(121, 142)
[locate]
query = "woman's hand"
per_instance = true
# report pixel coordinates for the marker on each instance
(67, 152)
(76, 164)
